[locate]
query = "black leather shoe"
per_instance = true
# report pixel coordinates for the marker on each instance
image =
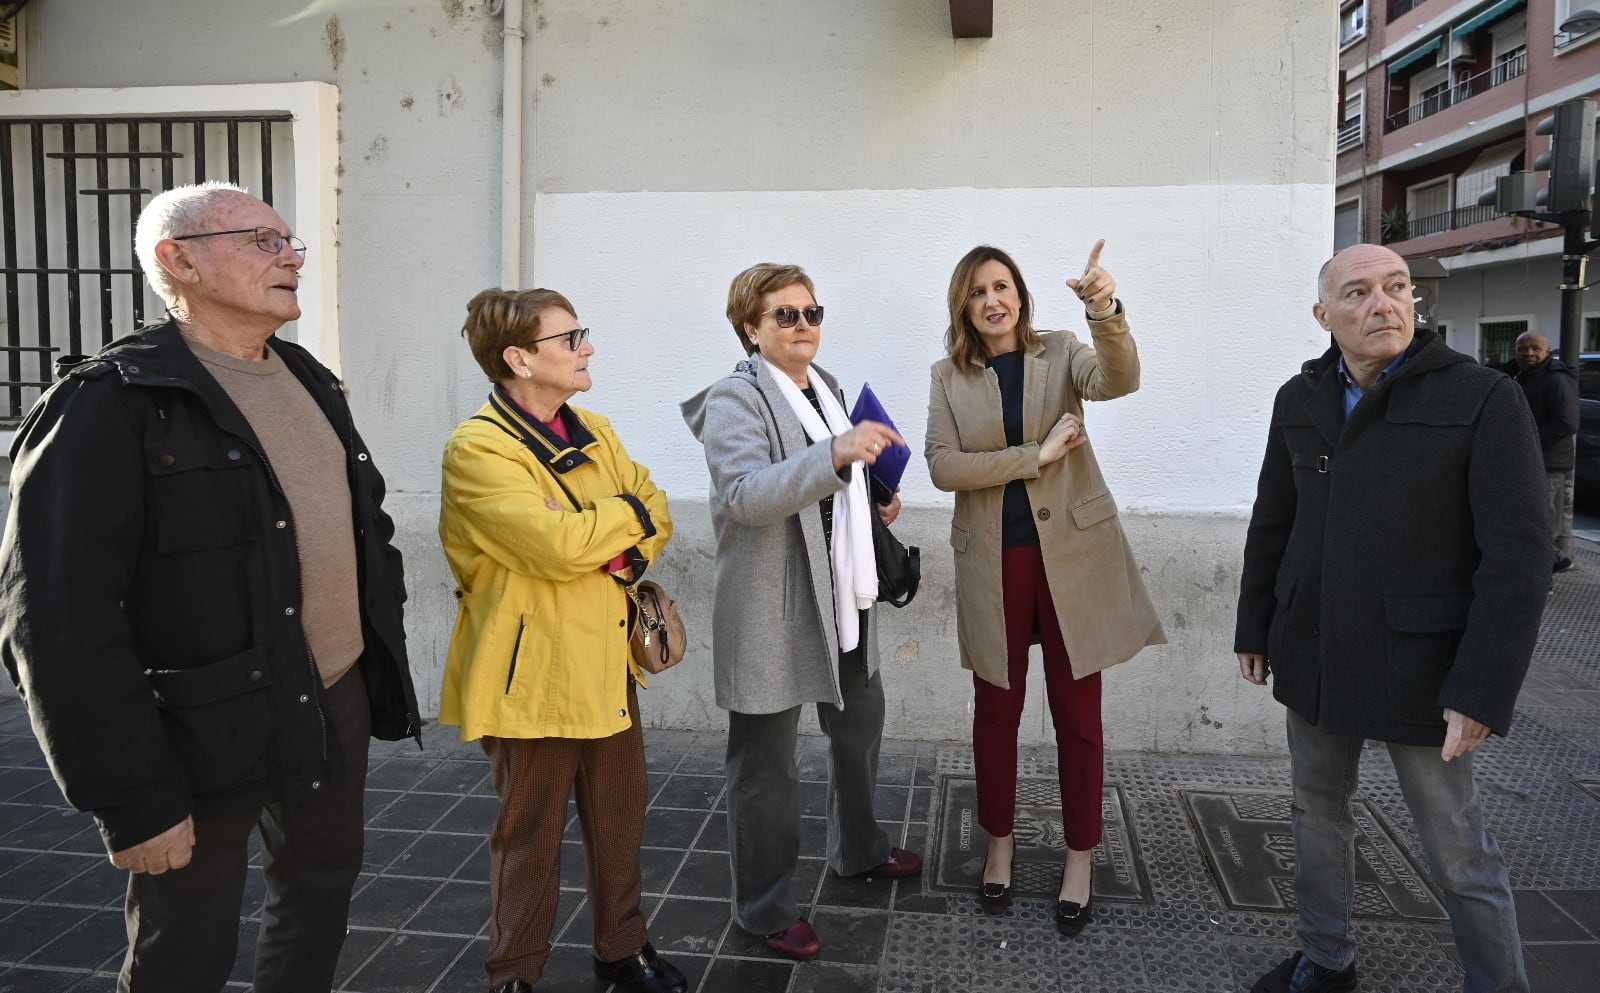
(1071, 918)
(515, 986)
(1315, 979)
(642, 972)
(994, 897)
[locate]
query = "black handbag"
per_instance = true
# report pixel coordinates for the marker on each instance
(899, 566)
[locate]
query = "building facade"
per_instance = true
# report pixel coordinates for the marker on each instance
(1439, 98)
(636, 154)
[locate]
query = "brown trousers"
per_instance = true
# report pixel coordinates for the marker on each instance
(534, 777)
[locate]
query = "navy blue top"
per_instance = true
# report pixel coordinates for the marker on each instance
(1016, 516)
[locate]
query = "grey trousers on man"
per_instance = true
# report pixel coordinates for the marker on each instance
(764, 798)
(183, 925)
(1561, 509)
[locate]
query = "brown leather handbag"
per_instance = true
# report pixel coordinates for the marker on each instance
(658, 641)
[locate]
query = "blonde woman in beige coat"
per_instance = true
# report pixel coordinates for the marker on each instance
(1040, 555)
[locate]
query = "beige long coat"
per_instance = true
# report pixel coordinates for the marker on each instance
(1106, 616)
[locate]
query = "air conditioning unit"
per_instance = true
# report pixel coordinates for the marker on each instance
(1454, 50)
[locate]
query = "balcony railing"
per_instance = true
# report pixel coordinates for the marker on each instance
(1468, 88)
(1449, 220)
(1398, 8)
(1349, 135)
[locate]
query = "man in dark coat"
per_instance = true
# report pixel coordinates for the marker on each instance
(1394, 577)
(201, 606)
(1552, 395)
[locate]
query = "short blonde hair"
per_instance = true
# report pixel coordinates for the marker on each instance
(751, 286)
(498, 319)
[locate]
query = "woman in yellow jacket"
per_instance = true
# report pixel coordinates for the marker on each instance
(543, 517)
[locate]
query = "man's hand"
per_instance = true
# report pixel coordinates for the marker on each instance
(1253, 666)
(1095, 287)
(170, 849)
(1463, 736)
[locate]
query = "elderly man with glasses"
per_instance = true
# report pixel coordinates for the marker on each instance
(201, 606)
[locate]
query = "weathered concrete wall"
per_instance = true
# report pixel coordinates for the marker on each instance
(670, 143)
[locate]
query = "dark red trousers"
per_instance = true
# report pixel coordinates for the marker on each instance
(1074, 710)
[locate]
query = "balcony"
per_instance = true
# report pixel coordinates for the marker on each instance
(1399, 8)
(1468, 88)
(1462, 217)
(1349, 135)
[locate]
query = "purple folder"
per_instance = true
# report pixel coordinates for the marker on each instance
(891, 464)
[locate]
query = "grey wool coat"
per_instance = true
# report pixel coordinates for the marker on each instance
(774, 640)
(1105, 614)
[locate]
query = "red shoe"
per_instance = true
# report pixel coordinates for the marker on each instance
(798, 940)
(899, 863)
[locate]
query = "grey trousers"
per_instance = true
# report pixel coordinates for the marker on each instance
(764, 798)
(1561, 510)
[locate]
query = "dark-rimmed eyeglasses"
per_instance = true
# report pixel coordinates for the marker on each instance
(788, 317)
(575, 338)
(267, 239)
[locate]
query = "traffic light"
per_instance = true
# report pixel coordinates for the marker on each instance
(1570, 159)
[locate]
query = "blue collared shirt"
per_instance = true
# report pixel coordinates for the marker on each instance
(1352, 389)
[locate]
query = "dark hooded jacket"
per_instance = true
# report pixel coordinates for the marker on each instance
(1397, 562)
(150, 593)
(1553, 397)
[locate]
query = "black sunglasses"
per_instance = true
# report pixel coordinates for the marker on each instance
(788, 317)
(575, 338)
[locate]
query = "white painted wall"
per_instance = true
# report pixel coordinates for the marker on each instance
(670, 143)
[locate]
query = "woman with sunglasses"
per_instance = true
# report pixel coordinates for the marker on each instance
(543, 517)
(1040, 556)
(793, 620)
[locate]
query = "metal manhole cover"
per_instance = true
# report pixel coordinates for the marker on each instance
(960, 844)
(1246, 841)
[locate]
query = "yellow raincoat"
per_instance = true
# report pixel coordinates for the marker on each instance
(540, 646)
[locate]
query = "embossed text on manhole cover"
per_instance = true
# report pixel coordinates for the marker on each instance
(1245, 838)
(960, 844)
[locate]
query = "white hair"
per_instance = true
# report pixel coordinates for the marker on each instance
(180, 210)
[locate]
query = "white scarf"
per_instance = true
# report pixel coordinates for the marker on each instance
(855, 569)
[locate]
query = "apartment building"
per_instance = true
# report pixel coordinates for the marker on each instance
(1438, 99)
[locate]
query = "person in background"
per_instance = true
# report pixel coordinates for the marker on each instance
(794, 620)
(543, 517)
(1040, 554)
(1553, 397)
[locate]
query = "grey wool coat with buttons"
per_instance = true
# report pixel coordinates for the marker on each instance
(774, 640)
(1105, 614)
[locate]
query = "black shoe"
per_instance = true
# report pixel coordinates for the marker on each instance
(1563, 565)
(515, 986)
(1072, 917)
(1313, 978)
(642, 972)
(994, 897)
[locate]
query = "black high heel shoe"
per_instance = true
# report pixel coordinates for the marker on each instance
(994, 897)
(1071, 918)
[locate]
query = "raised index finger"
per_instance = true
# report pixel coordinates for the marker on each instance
(1094, 256)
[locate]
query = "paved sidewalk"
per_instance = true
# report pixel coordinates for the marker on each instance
(1191, 888)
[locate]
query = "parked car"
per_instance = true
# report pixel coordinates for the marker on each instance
(1587, 478)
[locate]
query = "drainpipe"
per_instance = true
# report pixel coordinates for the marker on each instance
(511, 145)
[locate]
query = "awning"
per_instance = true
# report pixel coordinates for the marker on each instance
(1500, 9)
(1413, 55)
(1490, 164)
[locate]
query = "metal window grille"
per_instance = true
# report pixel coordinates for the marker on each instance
(1497, 341)
(71, 191)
